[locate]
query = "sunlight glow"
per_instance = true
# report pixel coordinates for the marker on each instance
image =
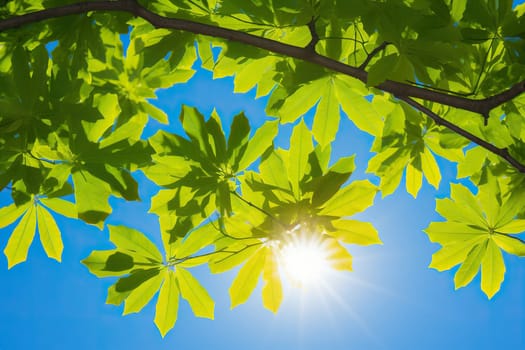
(304, 260)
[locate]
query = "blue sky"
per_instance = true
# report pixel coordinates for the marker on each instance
(391, 300)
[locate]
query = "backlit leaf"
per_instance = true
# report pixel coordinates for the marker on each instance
(21, 238)
(195, 294)
(272, 291)
(167, 306)
(50, 236)
(247, 278)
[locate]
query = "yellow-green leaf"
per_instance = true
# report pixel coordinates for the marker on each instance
(61, 206)
(414, 179)
(258, 143)
(469, 204)
(194, 293)
(511, 245)
(326, 119)
(300, 147)
(167, 306)
(49, 234)
(357, 108)
(140, 296)
(515, 226)
(470, 266)
(492, 270)
(134, 241)
(246, 280)
(272, 292)
(227, 261)
(355, 232)
(352, 199)
(459, 212)
(430, 168)
(91, 195)
(453, 254)
(9, 214)
(198, 239)
(104, 263)
(450, 232)
(21, 238)
(338, 257)
(301, 100)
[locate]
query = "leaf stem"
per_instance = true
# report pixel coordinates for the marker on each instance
(502, 152)
(260, 209)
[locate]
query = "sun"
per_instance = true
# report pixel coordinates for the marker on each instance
(304, 259)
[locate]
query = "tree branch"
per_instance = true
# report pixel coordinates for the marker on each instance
(374, 52)
(482, 106)
(502, 152)
(315, 37)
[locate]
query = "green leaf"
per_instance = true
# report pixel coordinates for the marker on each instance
(357, 108)
(61, 206)
(21, 238)
(194, 125)
(91, 196)
(338, 257)
(272, 291)
(513, 227)
(510, 244)
(492, 270)
(155, 113)
(239, 135)
(453, 254)
(430, 168)
(381, 69)
(143, 293)
(167, 306)
(414, 178)
(326, 119)
(301, 100)
(50, 236)
(9, 214)
(227, 261)
(135, 242)
(355, 232)
(260, 141)
(109, 263)
(350, 200)
(194, 293)
(247, 278)
(300, 147)
(471, 265)
(451, 232)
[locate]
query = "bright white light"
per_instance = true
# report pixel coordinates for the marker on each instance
(304, 260)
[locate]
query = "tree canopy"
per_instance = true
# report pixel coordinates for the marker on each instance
(427, 79)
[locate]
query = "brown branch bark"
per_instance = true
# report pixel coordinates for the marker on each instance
(502, 152)
(372, 54)
(402, 91)
(483, 106)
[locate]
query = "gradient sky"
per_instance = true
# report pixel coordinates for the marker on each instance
(390, 301)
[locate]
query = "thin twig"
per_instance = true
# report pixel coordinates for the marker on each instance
(315, 37)
(220, 228)
(372, 54)
(510, 236)
(41, 159)
(268, 214)
(502, 152)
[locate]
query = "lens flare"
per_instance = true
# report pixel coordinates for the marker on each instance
(304, 260)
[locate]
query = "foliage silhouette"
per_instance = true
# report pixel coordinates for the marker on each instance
(425, 78)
